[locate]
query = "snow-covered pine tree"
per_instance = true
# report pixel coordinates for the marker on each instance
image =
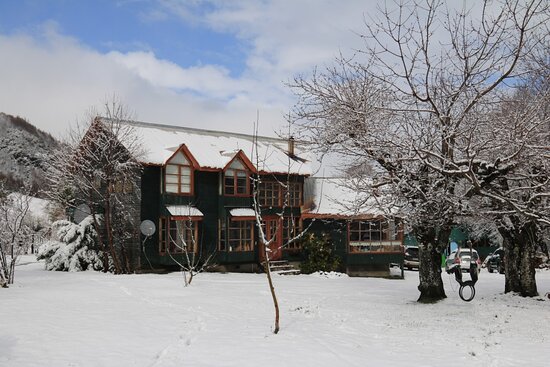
(74, 247)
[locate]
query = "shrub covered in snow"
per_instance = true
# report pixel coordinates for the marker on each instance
(73, 248)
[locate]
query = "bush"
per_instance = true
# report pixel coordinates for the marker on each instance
(318, 254)
(74, 247)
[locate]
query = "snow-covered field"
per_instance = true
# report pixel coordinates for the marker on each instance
(96, 319)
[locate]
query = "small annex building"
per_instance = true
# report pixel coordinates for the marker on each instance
(197, 187)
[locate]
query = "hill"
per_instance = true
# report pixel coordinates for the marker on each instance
(24, 152)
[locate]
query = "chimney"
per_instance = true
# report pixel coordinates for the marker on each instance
(291, 146)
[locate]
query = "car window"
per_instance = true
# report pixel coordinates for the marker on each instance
(469, 254)
(412, 251)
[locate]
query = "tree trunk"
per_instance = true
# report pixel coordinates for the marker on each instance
(511, 263)
(520, 245)
(429, 270)
(12, 271)
(110, 242)
(101, 244)
(3, 269)
(271, 288)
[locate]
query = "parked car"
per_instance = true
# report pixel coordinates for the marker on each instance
(462, 257)
(411, 257)
(495, 261)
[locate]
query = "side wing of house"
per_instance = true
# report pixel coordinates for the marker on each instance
(367, 240)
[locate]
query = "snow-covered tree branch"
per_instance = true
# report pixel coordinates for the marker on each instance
(15, 231)
(98, 166)
(425, 103)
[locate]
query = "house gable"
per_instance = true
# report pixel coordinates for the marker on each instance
(179, 172)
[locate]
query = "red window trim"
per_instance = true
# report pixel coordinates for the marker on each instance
(192, 167)
(228, 238)
(280, 194)
(166, 241)
(398, 239)
(235, 180)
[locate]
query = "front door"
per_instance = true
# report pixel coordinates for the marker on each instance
(273, 230)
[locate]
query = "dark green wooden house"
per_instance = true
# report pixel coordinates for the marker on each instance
(197, 187)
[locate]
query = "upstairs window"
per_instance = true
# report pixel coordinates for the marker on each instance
(235, 180)
(269, 193)
(294, 194)
(279, 194)
(178, 175)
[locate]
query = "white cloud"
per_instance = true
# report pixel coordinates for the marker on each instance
(286, 36)
(208, 80)
(52, 80)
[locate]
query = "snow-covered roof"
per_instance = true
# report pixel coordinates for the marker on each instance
(335, 197)
(184, 211)
(215, 149)
(242, 212)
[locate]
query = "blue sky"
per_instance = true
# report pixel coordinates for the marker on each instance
(128, 26)
(212, 64)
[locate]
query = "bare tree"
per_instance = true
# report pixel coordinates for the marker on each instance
(415, 102)
(267, 240)
(15, 232)
(515, 185)
(98, 166)
(195, 258)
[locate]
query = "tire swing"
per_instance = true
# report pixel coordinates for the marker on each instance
(468, 285)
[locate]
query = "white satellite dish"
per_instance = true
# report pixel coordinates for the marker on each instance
(147, 228)
(81, 212)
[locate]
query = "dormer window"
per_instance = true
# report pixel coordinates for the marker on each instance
(236, 179)
(178, 175)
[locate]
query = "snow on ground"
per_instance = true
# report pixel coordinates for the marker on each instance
(96, 319)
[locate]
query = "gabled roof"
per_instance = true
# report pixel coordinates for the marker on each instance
(215, 149)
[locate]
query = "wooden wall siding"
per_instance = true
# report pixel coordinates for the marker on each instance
(150, 209)
(207, 201)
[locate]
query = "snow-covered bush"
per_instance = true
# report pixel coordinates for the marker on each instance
(74, 247)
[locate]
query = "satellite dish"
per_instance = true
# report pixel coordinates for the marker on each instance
(81, 212)
(147, 228)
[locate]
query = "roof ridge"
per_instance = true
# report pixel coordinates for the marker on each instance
(196, 130)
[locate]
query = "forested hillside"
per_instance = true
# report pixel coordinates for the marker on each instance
(24, 153)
